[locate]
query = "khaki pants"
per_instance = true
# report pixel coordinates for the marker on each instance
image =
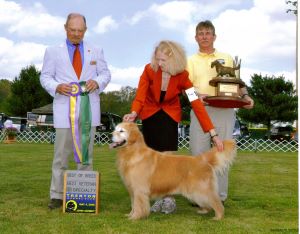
(223, 120)
(63, 148)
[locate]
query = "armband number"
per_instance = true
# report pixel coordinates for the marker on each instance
(191, 94)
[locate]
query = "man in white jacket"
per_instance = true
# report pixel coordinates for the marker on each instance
(58, 76)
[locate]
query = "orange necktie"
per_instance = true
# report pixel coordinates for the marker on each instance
(77, 64)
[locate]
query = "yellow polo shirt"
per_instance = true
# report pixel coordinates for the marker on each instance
(200, 71)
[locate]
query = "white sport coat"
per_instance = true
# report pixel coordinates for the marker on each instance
(57, 69)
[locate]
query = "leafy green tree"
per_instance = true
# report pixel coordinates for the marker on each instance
(109, 102)
(118, 102)
(27, 93)
(275, 100)
(4, 94)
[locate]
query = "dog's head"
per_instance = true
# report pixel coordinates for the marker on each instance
(125, 133)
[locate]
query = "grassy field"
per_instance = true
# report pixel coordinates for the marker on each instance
(263, 197)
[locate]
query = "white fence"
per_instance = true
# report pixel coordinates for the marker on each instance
(103, 138)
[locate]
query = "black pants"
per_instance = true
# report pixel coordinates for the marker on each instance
(161, 132)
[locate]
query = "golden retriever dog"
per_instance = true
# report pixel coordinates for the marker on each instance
(149, 174)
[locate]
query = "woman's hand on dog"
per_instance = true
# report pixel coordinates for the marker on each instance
(218, 143)
(130, 117)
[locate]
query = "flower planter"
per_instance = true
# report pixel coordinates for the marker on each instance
(11, 134)
(10, 139)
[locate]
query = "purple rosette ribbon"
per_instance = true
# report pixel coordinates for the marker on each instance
(76, 89)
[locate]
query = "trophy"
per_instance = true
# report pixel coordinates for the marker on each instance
(227, 85)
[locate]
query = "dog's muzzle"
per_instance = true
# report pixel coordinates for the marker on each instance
(116, 144)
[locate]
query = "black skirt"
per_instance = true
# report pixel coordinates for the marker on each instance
(161, 132)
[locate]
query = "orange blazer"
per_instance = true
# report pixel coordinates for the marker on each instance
(146, 102)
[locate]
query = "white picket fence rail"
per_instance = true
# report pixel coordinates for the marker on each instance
(103, 138)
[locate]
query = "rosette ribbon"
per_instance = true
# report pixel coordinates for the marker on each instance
(80, 121)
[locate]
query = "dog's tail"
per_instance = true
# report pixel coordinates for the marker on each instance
(219, 160)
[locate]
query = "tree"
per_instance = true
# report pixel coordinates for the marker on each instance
(27, 92)
(294, 5)
(4, 94)
(275, 100)
(118, 102)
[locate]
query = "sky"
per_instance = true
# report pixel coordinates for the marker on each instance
(259, 32)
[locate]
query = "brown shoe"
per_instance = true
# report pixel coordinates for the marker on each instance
(55, 203)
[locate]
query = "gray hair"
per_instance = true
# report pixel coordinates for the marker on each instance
(74, 15)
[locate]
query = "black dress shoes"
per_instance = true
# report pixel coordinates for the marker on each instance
(55, 203)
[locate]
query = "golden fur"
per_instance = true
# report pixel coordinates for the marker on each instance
(149, 174)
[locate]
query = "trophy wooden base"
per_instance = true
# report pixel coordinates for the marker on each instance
(225, 102)
(231, 80)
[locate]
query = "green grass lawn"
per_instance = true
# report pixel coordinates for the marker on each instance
(263, 197)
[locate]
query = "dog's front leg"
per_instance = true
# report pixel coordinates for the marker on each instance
(141, 206)
(131, 203)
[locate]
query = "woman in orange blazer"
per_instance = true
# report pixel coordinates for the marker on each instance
(157, 99)
(157, 104)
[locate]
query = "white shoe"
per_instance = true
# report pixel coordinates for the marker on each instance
(156, 207)
(168, 205)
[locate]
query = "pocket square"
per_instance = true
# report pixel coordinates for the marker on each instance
(93, 62)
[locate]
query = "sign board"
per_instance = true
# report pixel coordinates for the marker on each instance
(81, 192)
